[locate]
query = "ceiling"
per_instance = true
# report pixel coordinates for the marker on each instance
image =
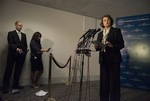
(97, 8)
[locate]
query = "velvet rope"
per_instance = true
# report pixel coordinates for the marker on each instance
(59, 65)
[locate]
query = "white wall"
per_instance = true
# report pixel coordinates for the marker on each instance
(60, 31)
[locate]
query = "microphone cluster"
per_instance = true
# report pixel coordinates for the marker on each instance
(90, 33)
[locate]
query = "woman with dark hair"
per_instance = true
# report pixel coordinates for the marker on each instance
(36, 58)
(109, 59)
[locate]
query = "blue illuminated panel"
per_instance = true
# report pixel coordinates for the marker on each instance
(135, 68)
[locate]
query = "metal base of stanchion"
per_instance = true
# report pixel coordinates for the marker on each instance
(50, 99)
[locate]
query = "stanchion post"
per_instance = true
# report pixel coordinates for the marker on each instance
(49, 79)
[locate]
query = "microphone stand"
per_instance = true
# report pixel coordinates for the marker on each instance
(81, 79)
(84, 49)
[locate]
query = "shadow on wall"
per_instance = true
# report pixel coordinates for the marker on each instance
(24, 79)
(3, 53)
(47, 43)
(29, 32)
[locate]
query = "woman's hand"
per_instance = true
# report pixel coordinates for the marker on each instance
(45, 50)
(96, 46)
(108, 44)
(48, 49)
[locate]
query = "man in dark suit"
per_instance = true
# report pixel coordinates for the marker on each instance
(17, 49)
(109, 58)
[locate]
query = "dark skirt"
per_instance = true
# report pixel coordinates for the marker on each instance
(36, 63)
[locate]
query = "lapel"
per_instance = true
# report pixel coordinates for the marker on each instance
(21, 36)
(110, 33)
(101, 36)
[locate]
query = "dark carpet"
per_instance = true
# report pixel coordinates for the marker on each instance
(60, 93)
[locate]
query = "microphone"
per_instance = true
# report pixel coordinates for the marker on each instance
(85, 33)
(94, 32)
(98, 29)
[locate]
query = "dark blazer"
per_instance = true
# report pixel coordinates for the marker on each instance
(14, 42)
(112, 55)
(35, 47)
